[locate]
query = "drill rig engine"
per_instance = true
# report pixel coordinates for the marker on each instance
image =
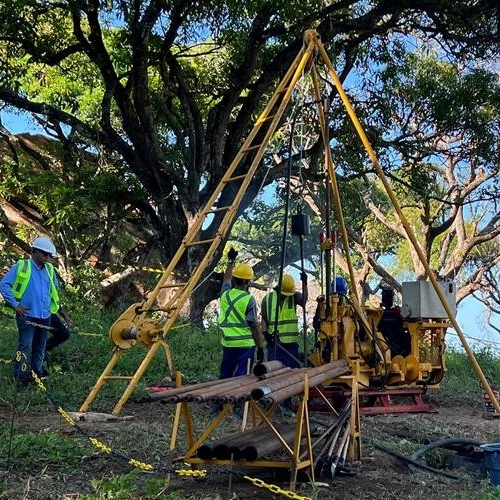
(404, 346)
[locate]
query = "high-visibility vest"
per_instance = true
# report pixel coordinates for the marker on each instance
(288, 323)
(232, 318)
(23, 276)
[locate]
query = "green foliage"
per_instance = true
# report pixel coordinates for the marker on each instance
(486, 491)
(460, 382)
(84, 289)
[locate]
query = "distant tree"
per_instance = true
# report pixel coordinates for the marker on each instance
(168, 90)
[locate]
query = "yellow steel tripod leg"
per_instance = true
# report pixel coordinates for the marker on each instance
(177, 416)
(117, 353)
(137, 376)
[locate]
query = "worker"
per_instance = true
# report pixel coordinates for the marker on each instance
(30, 289)
(283, 337)
(60, 323)
(239, 324)
(238, 320)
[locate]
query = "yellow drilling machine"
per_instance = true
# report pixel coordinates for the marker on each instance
(385, 347)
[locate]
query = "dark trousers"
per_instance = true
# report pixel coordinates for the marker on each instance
(31, 346)
(59, 332)
(235, 361)
(288, 358)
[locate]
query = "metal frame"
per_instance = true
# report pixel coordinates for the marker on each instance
(137, 325)
(297, 459)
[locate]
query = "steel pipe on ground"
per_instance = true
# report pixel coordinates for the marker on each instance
(220, 447)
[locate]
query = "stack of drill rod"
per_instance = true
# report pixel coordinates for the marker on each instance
(272, 384)
(247, 445)
(335, 443)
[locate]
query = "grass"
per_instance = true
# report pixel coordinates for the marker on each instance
(461, 383)
(76, 365)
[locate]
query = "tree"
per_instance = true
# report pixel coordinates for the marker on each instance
(169, 89)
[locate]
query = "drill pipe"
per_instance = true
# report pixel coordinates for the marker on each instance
(296, 387)
(266, 444)
(332, 438)
(207, 393)
(217, 392)
(267, 367)
(225, 448)
(284, 382)
(239, 392)
(242, 392)
(170, 393)
(219, 448)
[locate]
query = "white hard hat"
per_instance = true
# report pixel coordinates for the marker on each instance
(45, 244)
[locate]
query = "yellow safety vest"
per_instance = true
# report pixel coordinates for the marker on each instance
(23, 276)
(288, 323)
(232, 319)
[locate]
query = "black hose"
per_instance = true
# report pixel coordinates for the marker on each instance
(443, 443)
(411, 461)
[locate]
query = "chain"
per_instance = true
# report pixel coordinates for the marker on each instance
(191, 473)
(275, 489)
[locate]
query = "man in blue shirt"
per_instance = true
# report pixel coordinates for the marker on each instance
(30, 289)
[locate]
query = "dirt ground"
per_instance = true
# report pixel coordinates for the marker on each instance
(146, 437)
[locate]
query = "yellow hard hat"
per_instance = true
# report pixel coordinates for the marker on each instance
(243, 271)
(288, 285)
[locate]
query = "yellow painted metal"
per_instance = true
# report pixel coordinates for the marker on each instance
(100, 381)
(355, 451)
(404, 222)
(137, 321)
(295, 461)
(177, 414)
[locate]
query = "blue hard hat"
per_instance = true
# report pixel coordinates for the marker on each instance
(340, 285)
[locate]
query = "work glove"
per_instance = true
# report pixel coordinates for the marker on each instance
(260, 355)
(303, 277)
(232, 254)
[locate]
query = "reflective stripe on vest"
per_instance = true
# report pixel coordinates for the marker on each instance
(232, 319)
(23, 276)
(288, 323)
